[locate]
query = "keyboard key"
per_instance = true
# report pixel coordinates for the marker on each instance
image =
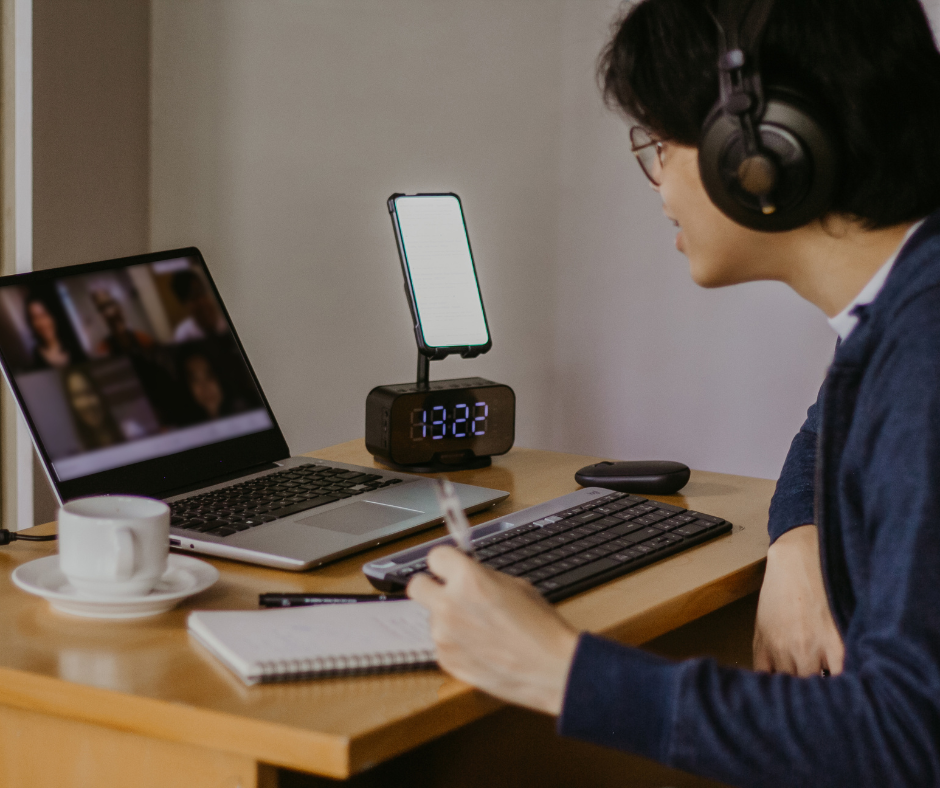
(607, 522)
(707, 518)
(586, 517)
(623, 530)
(668, 507)
(669, 524)
(625, 556)
(538, 574)
(689, 530)
(584, 572)
(642, 535)
(628, 514)
(707, 523)
(321, 500)
(500, 561)
(649, 519)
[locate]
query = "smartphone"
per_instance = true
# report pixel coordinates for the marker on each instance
(440, 277)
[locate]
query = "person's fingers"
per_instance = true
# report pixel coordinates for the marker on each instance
(785, 663)
(834, 656)
(447, 562)
(762, 655)
(424, 590)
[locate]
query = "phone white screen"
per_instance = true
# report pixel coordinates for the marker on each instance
(437, 254)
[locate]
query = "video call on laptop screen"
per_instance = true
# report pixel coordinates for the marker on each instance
(127, 364)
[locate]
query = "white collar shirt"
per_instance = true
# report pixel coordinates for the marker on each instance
(845, 321)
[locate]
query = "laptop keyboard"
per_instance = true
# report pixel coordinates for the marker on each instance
(267, 498)
(578, 547)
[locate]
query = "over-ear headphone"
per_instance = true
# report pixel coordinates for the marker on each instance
(768, 161)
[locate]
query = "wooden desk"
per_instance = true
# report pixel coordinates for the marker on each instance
(84, 702)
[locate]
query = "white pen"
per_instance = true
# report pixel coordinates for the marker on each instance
(454, 518)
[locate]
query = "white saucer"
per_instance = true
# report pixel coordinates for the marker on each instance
(184, 577)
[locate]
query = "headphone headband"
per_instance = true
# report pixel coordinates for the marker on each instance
(741, 25)
(766, 159)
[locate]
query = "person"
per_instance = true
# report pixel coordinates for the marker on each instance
(846, 686)
(204, 385)
(212, 399)
(204, 318)
(121, 338)
(93, 422)
(51, 350)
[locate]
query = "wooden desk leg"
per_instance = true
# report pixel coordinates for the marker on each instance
(41, 751)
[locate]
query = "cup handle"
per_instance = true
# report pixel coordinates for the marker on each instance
(124, 554)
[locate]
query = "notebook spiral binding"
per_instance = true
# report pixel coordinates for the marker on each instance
(349, 665)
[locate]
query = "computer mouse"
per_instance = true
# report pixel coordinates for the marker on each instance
(657, 477)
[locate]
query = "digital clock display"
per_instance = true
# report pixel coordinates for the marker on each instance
(458, 421)
(413, 426)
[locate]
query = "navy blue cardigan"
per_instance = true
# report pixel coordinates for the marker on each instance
(869, 454)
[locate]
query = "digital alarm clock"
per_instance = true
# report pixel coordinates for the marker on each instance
(440, 425)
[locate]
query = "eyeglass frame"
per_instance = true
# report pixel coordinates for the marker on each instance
(635, 150)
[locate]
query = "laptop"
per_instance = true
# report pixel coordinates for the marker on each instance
(132, 379)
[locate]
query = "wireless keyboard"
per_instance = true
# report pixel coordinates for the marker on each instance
(569, 544)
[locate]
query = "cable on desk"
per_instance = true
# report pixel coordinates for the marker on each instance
(12, 536)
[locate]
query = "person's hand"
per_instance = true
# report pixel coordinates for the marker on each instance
(495, 632)
(794, 632)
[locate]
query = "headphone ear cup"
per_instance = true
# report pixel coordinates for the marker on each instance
(799, 159)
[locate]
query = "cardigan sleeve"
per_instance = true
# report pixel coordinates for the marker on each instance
(793, 500)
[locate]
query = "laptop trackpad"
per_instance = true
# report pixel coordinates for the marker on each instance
(360, 517)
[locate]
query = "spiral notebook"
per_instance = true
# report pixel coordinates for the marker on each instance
(318, 641)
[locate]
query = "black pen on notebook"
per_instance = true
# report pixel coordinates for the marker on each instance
(454, 518)
(306, 599)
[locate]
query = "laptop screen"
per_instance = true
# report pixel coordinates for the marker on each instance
(125, 364)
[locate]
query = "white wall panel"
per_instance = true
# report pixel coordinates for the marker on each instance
(279, 130)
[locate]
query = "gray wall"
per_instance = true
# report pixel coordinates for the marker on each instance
(91, 131)
(280, 128)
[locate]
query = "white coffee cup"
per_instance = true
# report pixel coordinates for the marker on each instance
(114, 545)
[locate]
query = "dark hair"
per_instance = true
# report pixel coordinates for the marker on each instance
(871, 66)
(184, 285)
(54, 309)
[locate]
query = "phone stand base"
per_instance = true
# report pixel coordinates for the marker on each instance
(438, 467)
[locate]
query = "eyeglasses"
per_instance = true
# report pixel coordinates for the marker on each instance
(648, 152)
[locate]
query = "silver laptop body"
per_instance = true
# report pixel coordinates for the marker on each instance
(315, 536)
(132, 380)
